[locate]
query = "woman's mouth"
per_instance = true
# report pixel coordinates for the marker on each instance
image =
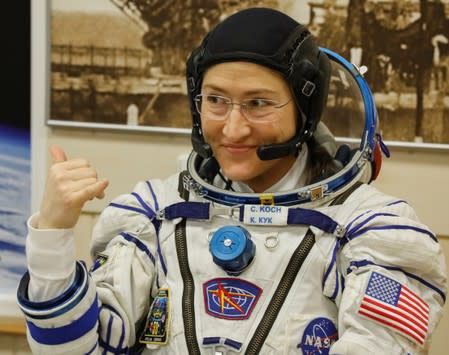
(238, 148)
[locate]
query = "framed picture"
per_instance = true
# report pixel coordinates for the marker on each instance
(119, 64)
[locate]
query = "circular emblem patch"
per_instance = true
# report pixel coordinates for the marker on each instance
(318, 337)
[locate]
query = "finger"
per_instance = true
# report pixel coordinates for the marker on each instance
(101, 194)
(81, 173)
(66, 172)
(89, 192)
(57, 154)
(81, 184)
(75, 164)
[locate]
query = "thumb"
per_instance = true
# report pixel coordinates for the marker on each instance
(57, 154)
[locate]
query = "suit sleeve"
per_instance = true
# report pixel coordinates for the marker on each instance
(394, 276)
(99, 310)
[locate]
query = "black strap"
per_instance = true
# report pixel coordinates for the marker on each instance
(342, 198)
(182, 188)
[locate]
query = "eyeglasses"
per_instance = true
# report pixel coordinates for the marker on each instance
(217, 108)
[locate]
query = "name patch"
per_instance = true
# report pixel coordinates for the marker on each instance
(265, 215)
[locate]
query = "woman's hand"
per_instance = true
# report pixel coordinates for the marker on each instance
(70, 184)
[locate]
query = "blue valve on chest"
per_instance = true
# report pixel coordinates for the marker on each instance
(232, 249)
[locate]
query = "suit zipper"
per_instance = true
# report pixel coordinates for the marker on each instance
(280, 294)
(188, 308)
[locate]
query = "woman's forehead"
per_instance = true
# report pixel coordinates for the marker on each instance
(244, 75)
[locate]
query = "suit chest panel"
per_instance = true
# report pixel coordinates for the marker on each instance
(230, 307)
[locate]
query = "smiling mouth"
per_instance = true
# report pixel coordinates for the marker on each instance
(239, 148)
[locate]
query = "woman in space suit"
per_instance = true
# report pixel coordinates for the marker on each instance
(272, 241)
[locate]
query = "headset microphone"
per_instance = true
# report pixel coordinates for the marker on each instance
(264, 152)
(279, 150)
(290, 147)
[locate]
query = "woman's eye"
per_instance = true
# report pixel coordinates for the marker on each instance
(216, 100)
(258, 103)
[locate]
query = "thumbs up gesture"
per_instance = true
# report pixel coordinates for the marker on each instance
(70, 184)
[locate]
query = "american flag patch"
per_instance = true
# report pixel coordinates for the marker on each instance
(393, 305)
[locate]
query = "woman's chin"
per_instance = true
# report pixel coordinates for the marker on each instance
(241, 174)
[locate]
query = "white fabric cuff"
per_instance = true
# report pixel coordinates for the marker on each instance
(50, 252)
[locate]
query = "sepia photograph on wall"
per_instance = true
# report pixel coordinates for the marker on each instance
(120, 64)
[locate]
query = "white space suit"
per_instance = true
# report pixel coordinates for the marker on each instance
(377, 288)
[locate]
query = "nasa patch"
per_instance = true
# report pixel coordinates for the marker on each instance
(318, 337)
(230, 298)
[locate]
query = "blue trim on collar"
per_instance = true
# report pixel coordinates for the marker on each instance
(290, 198)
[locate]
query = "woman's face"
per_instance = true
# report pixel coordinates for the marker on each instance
(235, 139)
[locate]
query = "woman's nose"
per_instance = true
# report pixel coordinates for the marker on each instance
(236, 125)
